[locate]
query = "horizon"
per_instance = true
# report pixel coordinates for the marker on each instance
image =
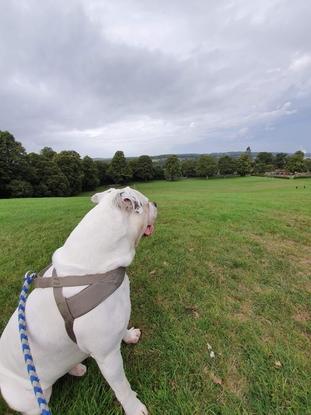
(306, 154)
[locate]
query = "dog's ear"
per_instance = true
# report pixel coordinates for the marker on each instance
(98, 196)
(127, 200)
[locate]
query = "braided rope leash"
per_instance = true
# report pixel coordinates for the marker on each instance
(34, 379)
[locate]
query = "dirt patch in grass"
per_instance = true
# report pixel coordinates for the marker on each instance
(234, 381)
(216, 270)
(244, 313)
(240, 310)
(302, 316)
(307, 286)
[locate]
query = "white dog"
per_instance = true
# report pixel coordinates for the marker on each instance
(104, 240)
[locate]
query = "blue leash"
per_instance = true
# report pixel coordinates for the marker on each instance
(34, 379)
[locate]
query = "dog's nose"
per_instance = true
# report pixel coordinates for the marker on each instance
(155, 204)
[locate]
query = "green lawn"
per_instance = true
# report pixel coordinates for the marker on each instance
(229, 266)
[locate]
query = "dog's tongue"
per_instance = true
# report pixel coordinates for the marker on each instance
(149, 230)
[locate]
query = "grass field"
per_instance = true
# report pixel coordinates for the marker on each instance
(228, 267)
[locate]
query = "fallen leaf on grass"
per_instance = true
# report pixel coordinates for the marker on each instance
(215, 379)
(192, 310)
(152, 272)
(212, 354)
(277, 364)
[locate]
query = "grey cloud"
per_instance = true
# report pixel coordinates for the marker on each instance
(98, 76)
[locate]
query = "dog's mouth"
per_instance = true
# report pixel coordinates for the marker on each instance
(149, 230)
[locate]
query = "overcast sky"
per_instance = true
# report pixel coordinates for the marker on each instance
(153, 77)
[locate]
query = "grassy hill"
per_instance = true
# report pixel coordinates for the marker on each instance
(227, 271)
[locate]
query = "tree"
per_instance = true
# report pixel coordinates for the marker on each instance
(188, 168)
(158, 171)
(172, 168)
(206, 166)
(226, 165)
(264, 162)
(47, 152)
(244, 165)
(57, 184)
(71, 166)
(307, 164)
(132, 166)
(143, 168)
(264, 157)
(46, 177)
(119, 169)
(102, 169)
(20, 188)
(295, 162)
(13, 165)
(90, 174)
(280, 160)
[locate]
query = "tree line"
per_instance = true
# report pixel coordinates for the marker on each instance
(65, 173)
(245, 164)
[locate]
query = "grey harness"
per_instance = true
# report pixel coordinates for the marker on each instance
(99, 287)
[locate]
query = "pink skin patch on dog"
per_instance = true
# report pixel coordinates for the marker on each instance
(149, 230)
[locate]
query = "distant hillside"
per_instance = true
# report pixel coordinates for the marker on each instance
(162, 157)
(187, 156)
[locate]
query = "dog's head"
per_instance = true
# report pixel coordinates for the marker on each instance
(138, 213)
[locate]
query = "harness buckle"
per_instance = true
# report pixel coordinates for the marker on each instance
(56, 282)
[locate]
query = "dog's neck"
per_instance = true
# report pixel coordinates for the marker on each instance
(98, 244)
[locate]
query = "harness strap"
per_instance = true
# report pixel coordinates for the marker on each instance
(99, 287)
(71, 280)
(87, 299)
(63, 308)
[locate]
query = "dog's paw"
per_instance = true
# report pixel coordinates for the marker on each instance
(136, 408)
(78, 370)
(132, 336)
(142, 410)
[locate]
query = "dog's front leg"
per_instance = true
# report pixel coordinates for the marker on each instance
(112, 369)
